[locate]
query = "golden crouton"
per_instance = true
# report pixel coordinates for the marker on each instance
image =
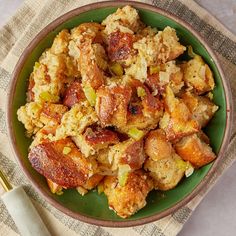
(86, 54)
(50, 75)
(45, 134)
(93, 181)
(171, 47)
(95, 139)
(104, 164)
(198, 75)
(162, 47)
(177, 121)
(35, 115)
(90, 184)
(52, 113)
(91, 74)
(165, 172)
(194, 150)
(156, 145)
(61, 162)
(76, 120)
(125, 19)
(127, 200)
(29, 115)
(119, 46)
(144, 112)
(60, 43)
(202, 108)
(73, 94)
(138, 69)
(139, 121)
(100, 56)
(112, 105)
(129, 152)
(161, 75)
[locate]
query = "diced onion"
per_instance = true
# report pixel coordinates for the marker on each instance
(189, 170)
(202, 72)
(164, 77)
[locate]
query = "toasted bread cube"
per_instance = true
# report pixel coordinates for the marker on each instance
(86, 54)
(60, 43)
(95, 139)
(75, 121)
(140, 122)
(160, 48)
(156, 145)
(73, 94)
(128, 199)
(177, 121)
(129, 152)
(68, 169)
(91, 74)
(143, 113)
(29, 115)
(93, 181)
(125, 19)
(50, 75)
(112, 105)
(90, 184)
(198, 75)
(120, 46)
(165, 172)
(194, 150)
(45, 134)
(202, 108)
(52, 113)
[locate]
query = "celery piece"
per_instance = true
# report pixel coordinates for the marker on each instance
(181, 164)
(191, 53)
(135, 133)
(116, 69)
(36, 65)
(141, 92)
(154, 69)
(123, 174)
(90, 94)
(59, 192)
(66, 150)
(47, 97)
(100, 189)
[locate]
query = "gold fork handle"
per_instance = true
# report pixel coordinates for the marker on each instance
(4, 182)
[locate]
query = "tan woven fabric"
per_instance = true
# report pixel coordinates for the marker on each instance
(15, 36)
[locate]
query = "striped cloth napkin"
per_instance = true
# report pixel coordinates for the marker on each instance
(16, 35)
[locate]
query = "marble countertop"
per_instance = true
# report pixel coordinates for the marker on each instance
(216, 214)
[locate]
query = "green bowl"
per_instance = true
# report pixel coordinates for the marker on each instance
(93, 208)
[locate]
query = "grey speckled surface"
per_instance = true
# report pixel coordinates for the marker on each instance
(216, 214)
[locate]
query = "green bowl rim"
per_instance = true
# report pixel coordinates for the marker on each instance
(50, 27)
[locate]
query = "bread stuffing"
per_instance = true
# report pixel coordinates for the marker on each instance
(118, 106)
